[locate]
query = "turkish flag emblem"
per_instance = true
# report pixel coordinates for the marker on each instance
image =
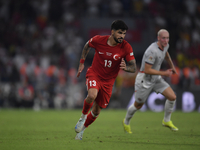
(116, 57)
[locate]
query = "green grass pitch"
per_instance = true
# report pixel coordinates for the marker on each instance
(54, 130)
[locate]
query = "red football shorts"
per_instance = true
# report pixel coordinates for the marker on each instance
(104, 90)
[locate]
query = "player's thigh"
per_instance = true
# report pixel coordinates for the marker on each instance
(169, 94)
(141, 93)
(163, 87)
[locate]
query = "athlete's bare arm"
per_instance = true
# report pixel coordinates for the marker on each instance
(148, 70)
(169, 60)
(129, 67)
(85, 51)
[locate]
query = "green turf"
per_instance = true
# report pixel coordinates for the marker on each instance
(54, 130)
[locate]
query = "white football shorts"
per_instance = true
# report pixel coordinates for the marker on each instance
(144, 88)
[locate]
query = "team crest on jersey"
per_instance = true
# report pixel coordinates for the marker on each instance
(150, 58)
(116, 57)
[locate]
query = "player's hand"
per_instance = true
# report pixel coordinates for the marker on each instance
(123, 64)
(80, 69)
(168, 72)
(174, 71)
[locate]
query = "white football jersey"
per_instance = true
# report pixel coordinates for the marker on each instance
(154, 56)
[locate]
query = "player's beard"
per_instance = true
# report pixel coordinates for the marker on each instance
(117, 40)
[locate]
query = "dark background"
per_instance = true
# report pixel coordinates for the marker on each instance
(41, 43)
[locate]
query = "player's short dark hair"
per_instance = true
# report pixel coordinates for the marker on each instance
(119, 24)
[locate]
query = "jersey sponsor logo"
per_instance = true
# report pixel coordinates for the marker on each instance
(108, 54)
(101, 53)
(131, 54)
(116, 57)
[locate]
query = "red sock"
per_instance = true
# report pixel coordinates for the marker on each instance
(86, 107)
(90, 119)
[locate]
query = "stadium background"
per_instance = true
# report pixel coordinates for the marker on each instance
(41, 43)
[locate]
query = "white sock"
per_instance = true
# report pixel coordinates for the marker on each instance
(83, 116)
(130, 112)
(169, 106)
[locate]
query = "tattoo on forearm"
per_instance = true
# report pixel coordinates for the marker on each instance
(131, 66)
(85, 51)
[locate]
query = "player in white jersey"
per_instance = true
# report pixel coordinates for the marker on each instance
(149, 79)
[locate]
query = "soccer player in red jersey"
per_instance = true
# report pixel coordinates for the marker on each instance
(110, 52)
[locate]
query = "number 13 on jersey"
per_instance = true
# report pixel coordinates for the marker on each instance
(91, 83)
(108, 63)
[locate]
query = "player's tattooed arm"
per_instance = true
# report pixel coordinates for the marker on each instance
(129, 67)
(85, 51)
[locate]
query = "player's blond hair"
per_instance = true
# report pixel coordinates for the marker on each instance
(162, 30)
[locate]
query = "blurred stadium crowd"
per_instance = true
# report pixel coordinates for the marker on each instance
(41, 42)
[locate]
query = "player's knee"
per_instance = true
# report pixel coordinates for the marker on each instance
(172, 98)
(138, 105)
(91, 97)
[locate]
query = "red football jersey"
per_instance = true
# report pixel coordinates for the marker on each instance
(107, 59)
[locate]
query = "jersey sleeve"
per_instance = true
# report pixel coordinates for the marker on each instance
(150, 57)
(130, 55)
(93, 41)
